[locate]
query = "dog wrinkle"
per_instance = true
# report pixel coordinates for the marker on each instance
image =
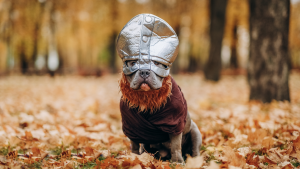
(136, 81)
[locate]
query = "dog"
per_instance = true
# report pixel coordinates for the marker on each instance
(153, 108)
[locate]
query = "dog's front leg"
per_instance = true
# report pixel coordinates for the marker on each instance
(196, 140)
(176, 155)
(135, 147)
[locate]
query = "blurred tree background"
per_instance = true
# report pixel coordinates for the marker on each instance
(78, 37)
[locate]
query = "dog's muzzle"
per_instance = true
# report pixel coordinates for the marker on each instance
(144, 73)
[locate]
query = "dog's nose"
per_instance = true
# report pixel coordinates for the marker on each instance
(144, 73)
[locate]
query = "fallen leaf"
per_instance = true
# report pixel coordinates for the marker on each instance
(213, 165)
(234, 158)
(257, 137)
(194, 162)
(252, 159)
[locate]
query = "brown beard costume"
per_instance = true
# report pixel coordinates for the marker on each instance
(160, 114)
(150, 100)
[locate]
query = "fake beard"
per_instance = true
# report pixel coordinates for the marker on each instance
(145, 100)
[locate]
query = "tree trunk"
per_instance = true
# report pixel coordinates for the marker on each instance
(217, 16)
(268, 68)
(175, 64)
(50, 9)
(24, 63)
(194, 64)
(113, 55)
(233, 57)
(112, 44)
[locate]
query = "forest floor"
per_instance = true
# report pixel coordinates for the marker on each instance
(75, 122)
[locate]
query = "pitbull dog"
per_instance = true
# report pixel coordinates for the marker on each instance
(153, 108)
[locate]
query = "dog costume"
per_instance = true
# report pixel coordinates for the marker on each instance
(155, 127)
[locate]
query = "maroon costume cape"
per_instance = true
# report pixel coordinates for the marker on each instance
(143, 127)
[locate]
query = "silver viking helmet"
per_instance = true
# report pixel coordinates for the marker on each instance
(147, 38)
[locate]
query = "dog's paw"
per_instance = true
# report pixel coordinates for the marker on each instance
(178, 159)
(195, 153)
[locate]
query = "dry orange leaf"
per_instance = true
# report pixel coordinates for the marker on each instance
(234, 158)
(251, 160)
(36, 151)
(268, 142)
(257, 137)
(89, 151)
(275, 156)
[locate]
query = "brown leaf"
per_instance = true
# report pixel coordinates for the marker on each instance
(80, 160)
(297, 147)
(89, 151)
(66, 154)
(80, 142)
(234, 158)
(213, 165)
(298, 155)
(36, 151)
(126, 163)
(12, 155)
(268, 142)
(194, 162)
(224, 165)
(136, 161)
(257, 136)
(297, 143)
(158, 165)
(68, 139)
(288, 150)
(288, 166)
(14, 141)
(28, 136)
(276, 157)
(138, 166)
(178, 166)
(251, 160)
(267, 160)
(69, 165)
(109, 161)
(43, 155)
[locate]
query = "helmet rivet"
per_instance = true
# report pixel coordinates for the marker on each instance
(148, 19)
(145, 38)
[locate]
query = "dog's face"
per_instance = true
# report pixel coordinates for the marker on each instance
(147, 46)
(145, 79)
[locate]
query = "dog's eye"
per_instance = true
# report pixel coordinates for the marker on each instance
(156, 63)
(131, 63)
(160, 65)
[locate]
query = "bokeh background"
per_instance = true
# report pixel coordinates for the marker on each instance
(78, 37)
(73, 119)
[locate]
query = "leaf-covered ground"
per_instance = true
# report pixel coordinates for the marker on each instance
(74, 122)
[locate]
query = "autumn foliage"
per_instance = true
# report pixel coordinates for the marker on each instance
(74, 122)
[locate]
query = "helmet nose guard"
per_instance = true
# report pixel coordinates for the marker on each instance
(146, 38)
